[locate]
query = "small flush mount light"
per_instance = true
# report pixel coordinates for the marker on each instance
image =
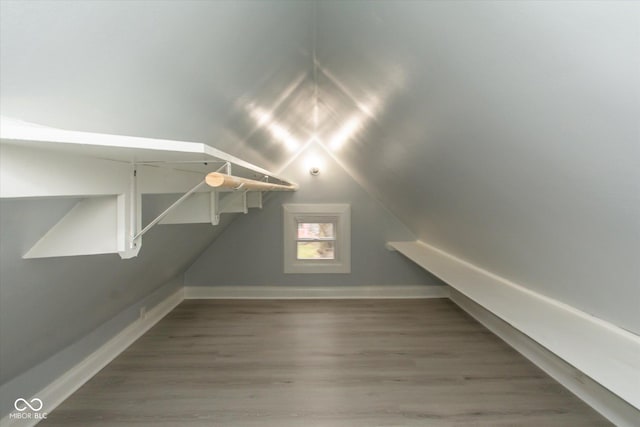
(314, 163)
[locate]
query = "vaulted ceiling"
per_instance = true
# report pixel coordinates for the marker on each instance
(504, 132)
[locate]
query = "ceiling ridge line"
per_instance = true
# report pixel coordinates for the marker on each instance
(366, 187)
(297, 154)
(315, 68)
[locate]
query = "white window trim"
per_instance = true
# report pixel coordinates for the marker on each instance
(340, 214)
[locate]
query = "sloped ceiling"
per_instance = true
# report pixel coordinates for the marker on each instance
(189, 70)
(506, 133)
(503, 132)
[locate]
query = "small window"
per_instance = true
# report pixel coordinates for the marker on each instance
(317, 238)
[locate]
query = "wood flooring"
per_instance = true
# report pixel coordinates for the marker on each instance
(321, 363)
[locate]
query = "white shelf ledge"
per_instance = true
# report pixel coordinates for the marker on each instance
(608, 354)
(110, 173)
(122, 148)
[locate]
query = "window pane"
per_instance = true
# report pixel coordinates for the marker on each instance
(316, 250)
(315, 230)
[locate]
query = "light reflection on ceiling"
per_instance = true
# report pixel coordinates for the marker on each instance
(279, 132)
(346, 132)
(324, 109)
(366, 104)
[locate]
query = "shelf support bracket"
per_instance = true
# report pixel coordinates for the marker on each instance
(169, 209)
(226, 167)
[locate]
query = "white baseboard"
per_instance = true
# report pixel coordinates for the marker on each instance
(612, 407)
(606, 353)
(65, 385)
(311, 292)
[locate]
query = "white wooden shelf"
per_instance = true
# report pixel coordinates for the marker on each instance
(110, 173)
(190, 156)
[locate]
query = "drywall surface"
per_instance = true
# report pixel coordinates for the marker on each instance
(48, 304)
(504, 133)
(202, 71)
(250, 251)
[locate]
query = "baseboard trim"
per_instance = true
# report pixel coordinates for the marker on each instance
(65, 385)
(612, 407)
(310, 292)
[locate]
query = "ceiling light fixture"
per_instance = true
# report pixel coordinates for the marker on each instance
(314, 163)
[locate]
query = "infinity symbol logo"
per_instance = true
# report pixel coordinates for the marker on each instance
(21, 404)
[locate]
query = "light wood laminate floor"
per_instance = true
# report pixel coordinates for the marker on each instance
(321, 363)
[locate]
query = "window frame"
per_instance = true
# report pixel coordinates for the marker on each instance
(340, 215)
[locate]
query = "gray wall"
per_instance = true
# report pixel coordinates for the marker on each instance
(186, 70)
(250, 251)
(508, 135)
(49, 304)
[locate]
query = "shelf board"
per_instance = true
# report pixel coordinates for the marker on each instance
(183, 155)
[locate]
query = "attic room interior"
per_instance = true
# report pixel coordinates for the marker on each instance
(319, 213)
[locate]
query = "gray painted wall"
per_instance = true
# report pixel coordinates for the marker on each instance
(49, 304)
(250, 251)
(186, 70)
(508, 134)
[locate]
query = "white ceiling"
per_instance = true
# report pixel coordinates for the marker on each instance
(506, 133)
